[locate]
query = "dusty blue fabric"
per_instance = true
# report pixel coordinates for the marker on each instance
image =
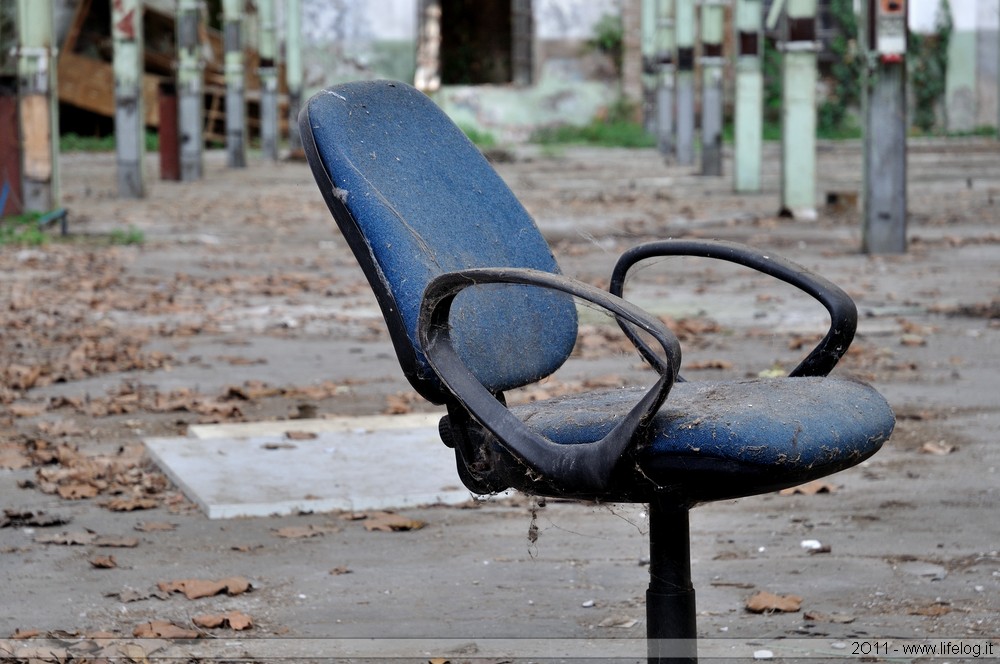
(787, 425)
(427, 202)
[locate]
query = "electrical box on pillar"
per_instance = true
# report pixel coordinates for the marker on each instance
(889, 30)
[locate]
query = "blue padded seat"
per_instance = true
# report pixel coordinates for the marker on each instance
(726, 439)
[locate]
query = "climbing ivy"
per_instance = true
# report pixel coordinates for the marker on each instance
(928, 64)
(846, 72)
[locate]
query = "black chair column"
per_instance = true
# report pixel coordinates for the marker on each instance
(671, 629)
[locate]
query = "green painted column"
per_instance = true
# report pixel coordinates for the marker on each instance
(798, 111)
(130, 129)
(293, 71)
(684, 28)
(235, 69)
(267, 48)
(749, 120)
(649, 65)
(38, 109)
(664, 57)
(190, 89)
(712, 62)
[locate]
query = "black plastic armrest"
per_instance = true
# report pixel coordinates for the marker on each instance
(843, 313)
(583, 466)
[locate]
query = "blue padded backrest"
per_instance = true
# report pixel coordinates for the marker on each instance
(414, 198)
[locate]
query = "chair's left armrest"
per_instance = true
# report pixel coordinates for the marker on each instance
(843, 312)
(583, 466)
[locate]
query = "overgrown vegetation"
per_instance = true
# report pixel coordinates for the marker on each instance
(835, 118)
(616, 129)
(22, 229)
(927, 59)
(482, 139)
(76, 143)
(609, 38)
(927, 56)
(130, 235)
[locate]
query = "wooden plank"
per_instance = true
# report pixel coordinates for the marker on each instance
(90, 84)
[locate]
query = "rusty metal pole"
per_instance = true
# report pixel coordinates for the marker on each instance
(10, 149)
(236, 108)
(190, 84)
(170, 151)
(268, 50)
(39, 111)
(130, 126)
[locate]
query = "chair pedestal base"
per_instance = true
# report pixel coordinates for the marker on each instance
(671, 630)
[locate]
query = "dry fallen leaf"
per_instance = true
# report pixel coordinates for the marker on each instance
(162, 629)
(22, 634)
(14, 456)
(155, 526)
(819, 616)
(339, 570)
(766, 602)
(301, 435)
(103, 562)
(71, 539)
(116, 542)
(931, 610)
(389, 522)
(27, 409)
(940, 448)
(198, 588)
(708, 364)
(39, 519)
(235, 620)
(301, 532)
(810, 488)
(131, 504)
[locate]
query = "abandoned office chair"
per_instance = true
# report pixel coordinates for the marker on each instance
(476, 306)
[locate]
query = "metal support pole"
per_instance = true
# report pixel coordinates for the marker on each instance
(236, 107)
(798, 111)
(38, 109)
(671, 629)
(885, 122)
(130, 129)
(684, 27)
(649, 66)
(190, 93)
(749, 121)
(427, 77)
(664, 55)
(712, 18)
(293, 71)
(268, 50)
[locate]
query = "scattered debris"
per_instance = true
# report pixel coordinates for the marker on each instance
(234, 620)
(391, 522)
(302, 532)
(33, 519)
(939, 448)
(103, 562)
(198, 588)
(819, 616)
(619, 621)
(767, 602)
(162, 629)
(810, 488)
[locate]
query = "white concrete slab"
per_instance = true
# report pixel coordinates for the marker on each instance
(365, 463)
